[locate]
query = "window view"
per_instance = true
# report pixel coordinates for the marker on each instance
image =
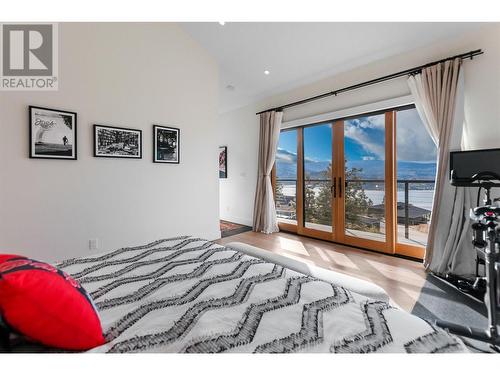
(416, 171)
(318, 177)
(364, 153)
(361, 194)
(286, 177)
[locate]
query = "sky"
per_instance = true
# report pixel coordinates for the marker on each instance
(364, 139)
(287, 144)
(413, 142)
(318, 142)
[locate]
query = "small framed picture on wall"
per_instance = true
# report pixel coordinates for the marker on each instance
(222, 162)
(166, 144)
(52, 133)
(114, 142)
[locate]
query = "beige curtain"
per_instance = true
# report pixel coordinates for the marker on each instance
(438, 94)
(264, 211)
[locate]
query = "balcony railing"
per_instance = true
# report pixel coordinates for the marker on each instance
(422, 215)
(408, 214)
(407, 201)
(286, 201)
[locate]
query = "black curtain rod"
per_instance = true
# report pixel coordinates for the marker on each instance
(418, 69)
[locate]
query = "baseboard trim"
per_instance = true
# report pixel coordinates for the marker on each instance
(237, 220)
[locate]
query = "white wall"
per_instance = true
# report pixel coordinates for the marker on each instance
(482, 106)
(129, 75)
(239, 131)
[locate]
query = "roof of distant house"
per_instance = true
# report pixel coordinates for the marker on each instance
(413, 211)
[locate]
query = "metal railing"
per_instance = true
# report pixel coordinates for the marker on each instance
(406, 202)
(407, 199)
(406, 184)
(287, 214)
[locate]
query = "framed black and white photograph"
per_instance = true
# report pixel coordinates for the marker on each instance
(166, 144)
(222, 162)
(52, 133)
(115, 142)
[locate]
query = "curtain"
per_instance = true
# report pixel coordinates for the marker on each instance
(439, 99)
(264, 212)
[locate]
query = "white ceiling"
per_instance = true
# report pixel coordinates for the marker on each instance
(300, 53)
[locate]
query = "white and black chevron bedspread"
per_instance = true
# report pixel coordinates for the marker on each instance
(189, 295)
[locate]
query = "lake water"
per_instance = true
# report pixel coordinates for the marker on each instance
(419, 198)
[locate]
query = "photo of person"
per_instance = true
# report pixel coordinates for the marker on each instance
(52, 133)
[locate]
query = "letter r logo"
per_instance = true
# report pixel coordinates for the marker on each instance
(27, 50)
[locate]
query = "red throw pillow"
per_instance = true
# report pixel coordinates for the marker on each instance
(47, 305)
(5, 257)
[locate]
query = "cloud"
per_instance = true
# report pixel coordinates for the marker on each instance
(371, 144)
(412, 139)
(413, 142)
(285, 156)
(313, 160)
(369, 122)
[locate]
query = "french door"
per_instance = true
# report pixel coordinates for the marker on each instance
(343, 186)
(365, 208)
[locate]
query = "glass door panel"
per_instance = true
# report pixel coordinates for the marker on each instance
(318, 177)
(286, 177)
(364, 174)
(416, 156)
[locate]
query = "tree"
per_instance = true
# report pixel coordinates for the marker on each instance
(356, 201)
(323, 201)
(318, 204)
(309, 202)
(278, 191)
(318, 207)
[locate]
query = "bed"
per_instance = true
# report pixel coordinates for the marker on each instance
(189, 295)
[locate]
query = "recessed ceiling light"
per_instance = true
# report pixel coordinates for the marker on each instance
(230, 87)
(222, 23)
(267, 72)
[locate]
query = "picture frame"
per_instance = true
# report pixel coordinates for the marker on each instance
(53, 133)
(166, 144)
(117, 142)
(223, 162)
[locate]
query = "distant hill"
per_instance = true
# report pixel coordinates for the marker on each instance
(371, 169)
(406, 170)
(285, 170)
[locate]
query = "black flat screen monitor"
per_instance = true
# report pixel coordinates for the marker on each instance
(465, 164)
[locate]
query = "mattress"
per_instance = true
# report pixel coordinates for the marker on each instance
(189, 295)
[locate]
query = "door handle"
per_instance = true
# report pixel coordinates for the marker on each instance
(340, 187)
(333, 188)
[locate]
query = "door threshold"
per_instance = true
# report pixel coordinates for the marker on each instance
(401, 256)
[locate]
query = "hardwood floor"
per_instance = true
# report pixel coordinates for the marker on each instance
(401, 278)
